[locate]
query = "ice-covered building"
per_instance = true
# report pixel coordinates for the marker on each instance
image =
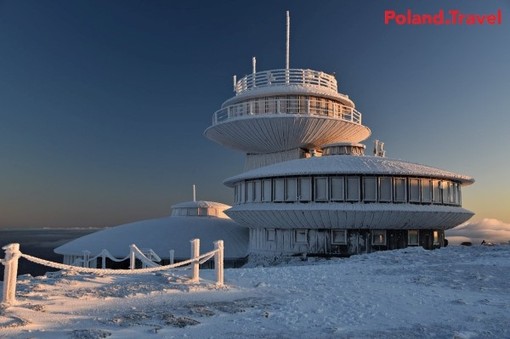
(204, 220)
(309, 188)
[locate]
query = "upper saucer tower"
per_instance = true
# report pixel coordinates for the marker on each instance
(286, 110)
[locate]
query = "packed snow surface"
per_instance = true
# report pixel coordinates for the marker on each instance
(454, 292)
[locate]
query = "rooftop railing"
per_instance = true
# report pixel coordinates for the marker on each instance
(301, 106)
(279, 77)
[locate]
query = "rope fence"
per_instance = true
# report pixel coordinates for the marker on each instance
(12, 255)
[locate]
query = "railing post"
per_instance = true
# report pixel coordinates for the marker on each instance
(195, 266)
(86, 258)
(172, 257)
(218, 262)
(132, 257)
(103, 259)
(10, 262)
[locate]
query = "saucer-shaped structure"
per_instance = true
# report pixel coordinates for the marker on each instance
(204, 220)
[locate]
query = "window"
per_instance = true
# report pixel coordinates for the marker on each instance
(426, 191)
(305, 189)
(379, 237)
(279, 189)
(236, 193)
(338, 236)
(250, 191)
(270, 235)
(337, 188)
(301, 236)
(385, 189)
(203, 211)
(436, 191)
(413, 237)
(290, 189)
(370, 189)
(444, 187)
(436, 238)
(353, 193)
(414, 190)
(321, 189)
(258, 191)
(266, 190)
(400, 190)
(242, 197)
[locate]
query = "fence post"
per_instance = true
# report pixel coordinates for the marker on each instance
(172, 257)
(10, 262)
(218, 262)
(195, 253)
(132, 257)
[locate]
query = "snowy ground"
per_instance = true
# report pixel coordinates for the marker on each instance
(456, 292)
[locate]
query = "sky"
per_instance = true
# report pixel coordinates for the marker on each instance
(103, 104)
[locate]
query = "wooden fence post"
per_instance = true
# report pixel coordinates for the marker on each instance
(218, 262)
(195, 266)
(10, 262)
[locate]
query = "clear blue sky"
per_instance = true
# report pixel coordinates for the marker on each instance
(103, 103)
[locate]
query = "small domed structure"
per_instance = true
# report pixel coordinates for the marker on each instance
(204, 220)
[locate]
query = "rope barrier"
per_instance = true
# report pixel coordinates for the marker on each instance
(115, 271)
(12, 254)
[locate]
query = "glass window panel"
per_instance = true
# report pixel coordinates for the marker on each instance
(444, 188)
(337, 188)
(301, 236)
(242, 196)
(270, 235)
(370, 189)
(266, 190)
(379, 237)
(414, 190)
(321, 189)
(305, 189)
(413, 237)
(426, 190)
(279, 189)
(250, 191)
(400, 190)
(338, 236)
(353, 190)
(385, 189)
(436, 191)
(291, 189)
(258, 191)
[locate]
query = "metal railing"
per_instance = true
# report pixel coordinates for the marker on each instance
(278, 77)
(299, 106)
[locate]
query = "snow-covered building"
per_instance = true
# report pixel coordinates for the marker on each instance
(309, 188)
(204, 220)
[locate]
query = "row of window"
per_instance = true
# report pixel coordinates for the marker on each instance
(368, 189)
(339, 237)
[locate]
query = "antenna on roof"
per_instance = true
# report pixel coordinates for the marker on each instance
(287, 45)
(194, 193)
(379, 149)
(254, 65)
(235, 81)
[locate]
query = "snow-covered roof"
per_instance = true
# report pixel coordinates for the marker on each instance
(163, 234)
(347, 164)
(201, 204)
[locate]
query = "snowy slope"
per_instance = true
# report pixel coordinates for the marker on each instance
(455, 292)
